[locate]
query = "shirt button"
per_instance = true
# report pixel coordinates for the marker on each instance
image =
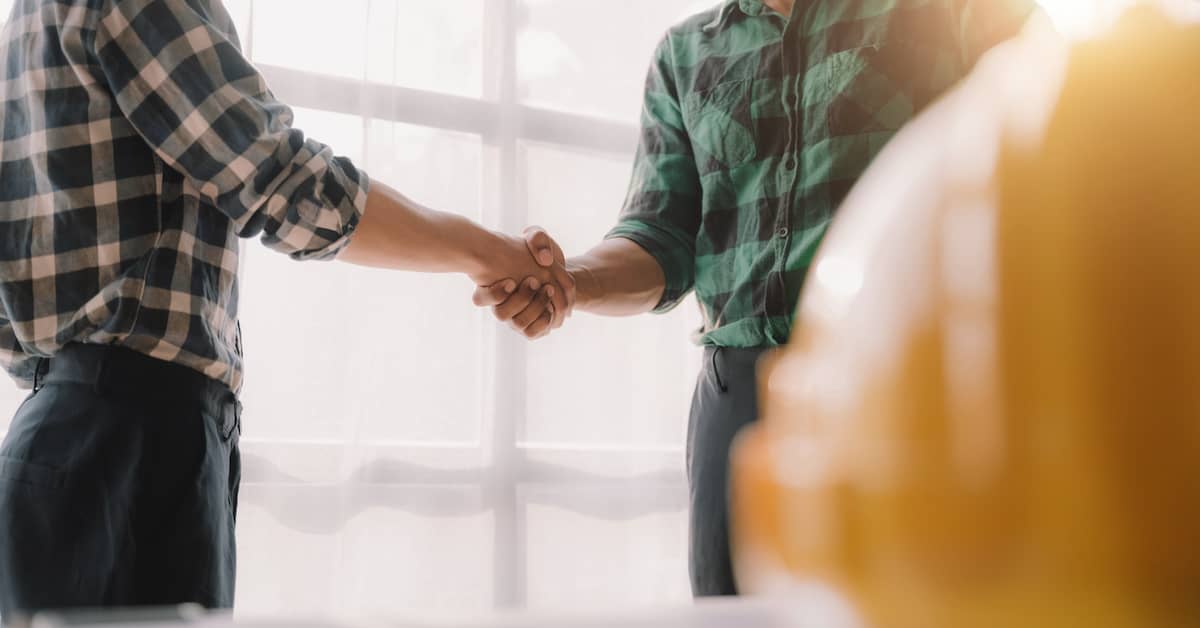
(782, 233)
(790, 164)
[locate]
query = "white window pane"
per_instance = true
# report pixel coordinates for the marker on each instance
(434, 46)
(363, 550)
(601, 380)
(610, 382)
(239, 10)
(401, 559)
(426, 323)
(417, 360)
(594, 549)
(342, 132)
(336, 352)
(591, 57)
(282, 567)
(10, 399)
(576, 194)
(312, 35)
(300, 324)
(5, 8)
(424, 45)
(440, 169)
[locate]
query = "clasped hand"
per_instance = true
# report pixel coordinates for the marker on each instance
(527, 284)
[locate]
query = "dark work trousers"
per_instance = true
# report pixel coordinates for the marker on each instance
(118, 486)
(726, 400)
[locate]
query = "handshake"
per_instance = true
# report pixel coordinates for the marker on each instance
(526, 282)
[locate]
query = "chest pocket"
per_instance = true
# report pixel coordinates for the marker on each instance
(720, 125)
(854, 92)
(877, 88)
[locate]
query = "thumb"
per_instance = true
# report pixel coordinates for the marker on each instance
(540, 245)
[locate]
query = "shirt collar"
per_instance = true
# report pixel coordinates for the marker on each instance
(753, 7)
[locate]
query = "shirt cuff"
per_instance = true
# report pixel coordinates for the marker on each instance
(678, 262)
(344, 195)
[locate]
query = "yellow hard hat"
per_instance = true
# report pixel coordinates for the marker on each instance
(988, 415)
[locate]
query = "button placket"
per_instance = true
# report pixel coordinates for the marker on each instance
(793, 69)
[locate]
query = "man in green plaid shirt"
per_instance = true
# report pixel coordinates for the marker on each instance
(760, 115)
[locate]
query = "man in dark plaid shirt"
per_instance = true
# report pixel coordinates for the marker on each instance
(138, 146)
(759, 117)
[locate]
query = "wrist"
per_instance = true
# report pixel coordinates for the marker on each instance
(474, 244)
(587, 287)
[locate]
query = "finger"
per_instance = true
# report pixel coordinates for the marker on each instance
(519, 300)
(495, 294)
(563, 295)
(540, 328)
(531, 314)
(540, 245)
(557, 299)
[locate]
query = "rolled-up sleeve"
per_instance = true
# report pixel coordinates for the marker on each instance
(663, 207)
(187, 89)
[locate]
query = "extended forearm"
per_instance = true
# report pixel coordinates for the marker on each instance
(399, 234)
(617, 278)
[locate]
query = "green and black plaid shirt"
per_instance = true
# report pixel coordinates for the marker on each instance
(756, 126)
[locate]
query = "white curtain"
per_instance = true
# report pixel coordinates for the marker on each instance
(404, 454)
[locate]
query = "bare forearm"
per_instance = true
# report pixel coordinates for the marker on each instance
(617, 278)
(399, 234)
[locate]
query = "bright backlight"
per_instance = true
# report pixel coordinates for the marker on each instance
(1077, 17)
(1082, 17)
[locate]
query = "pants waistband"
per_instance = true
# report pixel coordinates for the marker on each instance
(747, 353)
(139, 379)
(731, 364)
(736, 357)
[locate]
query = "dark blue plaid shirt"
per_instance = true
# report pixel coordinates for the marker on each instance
(138, 144)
